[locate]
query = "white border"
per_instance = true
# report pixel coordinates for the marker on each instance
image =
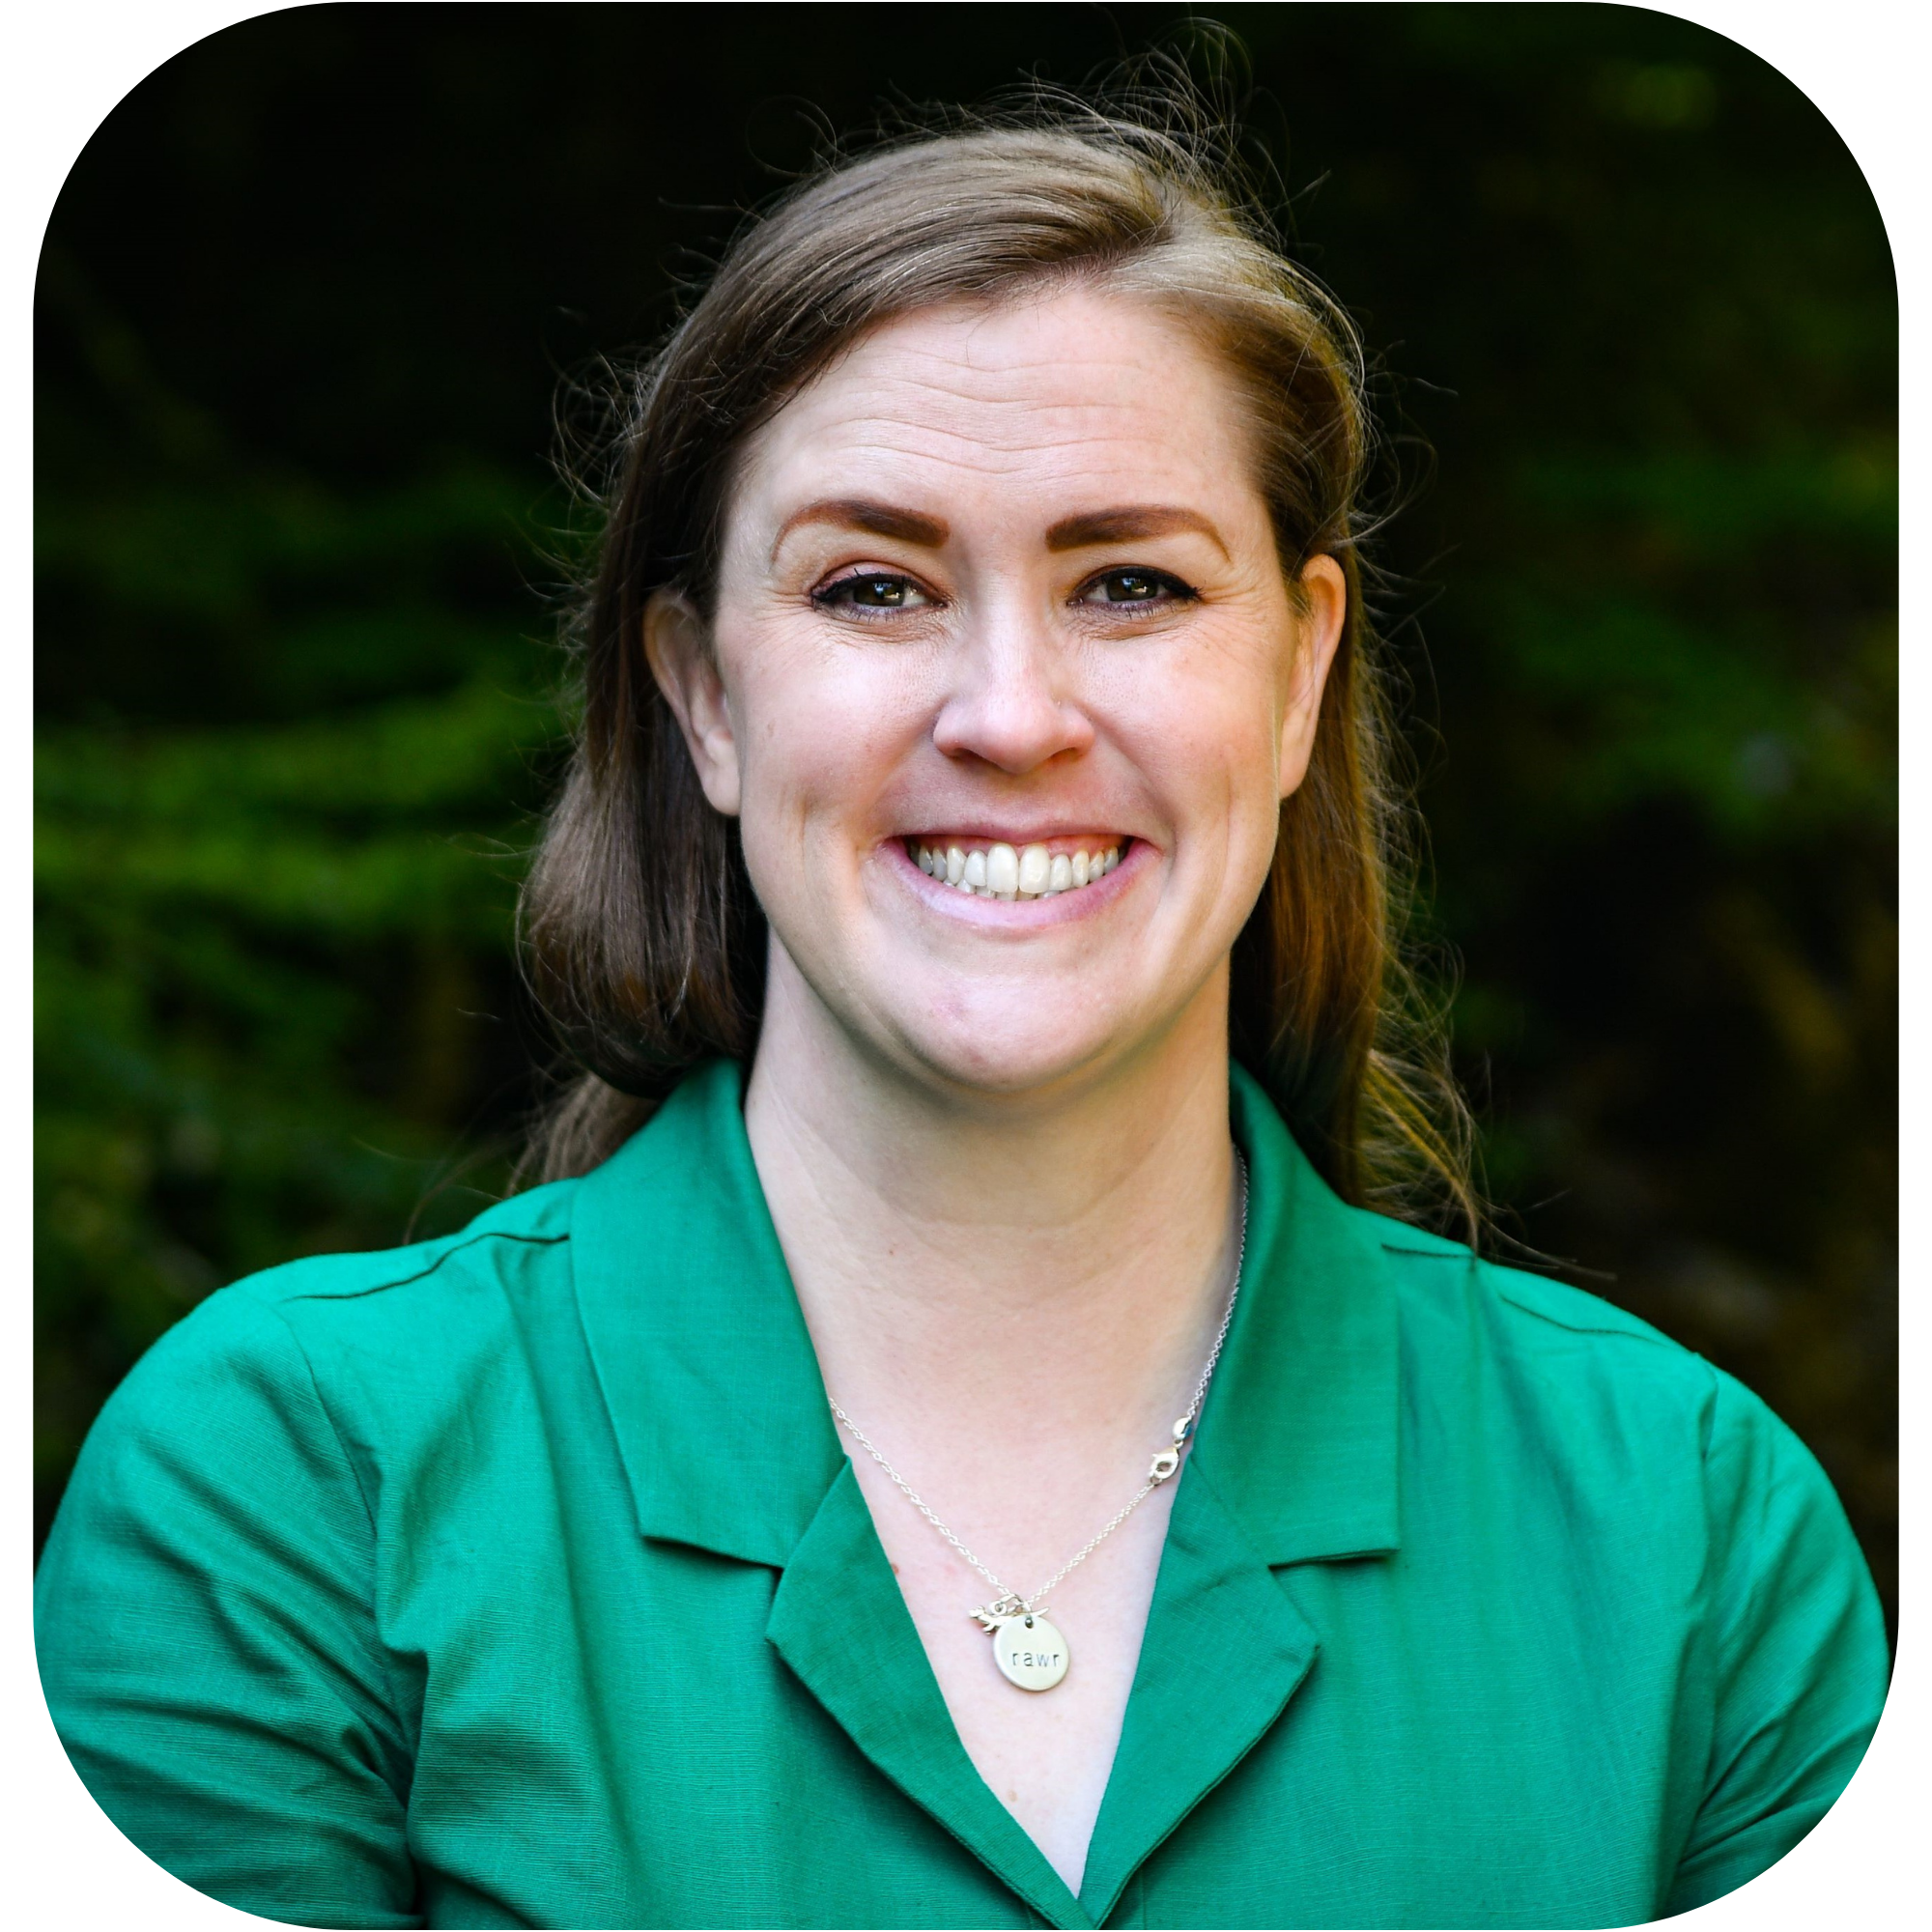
(1862, 63)
(67, 65)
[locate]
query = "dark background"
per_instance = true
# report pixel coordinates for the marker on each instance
(303, 306)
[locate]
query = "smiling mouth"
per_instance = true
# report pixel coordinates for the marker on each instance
(987, 870)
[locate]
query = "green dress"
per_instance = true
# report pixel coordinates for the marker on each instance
(519, 1578)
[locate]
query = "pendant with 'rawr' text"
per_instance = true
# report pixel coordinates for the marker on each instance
(1030, 1652)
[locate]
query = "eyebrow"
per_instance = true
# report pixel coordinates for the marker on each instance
(1128, 522)
(862, 513)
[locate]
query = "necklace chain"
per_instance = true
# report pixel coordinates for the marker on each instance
(1008, 1602)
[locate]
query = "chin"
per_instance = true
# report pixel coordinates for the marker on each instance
(981, 1056)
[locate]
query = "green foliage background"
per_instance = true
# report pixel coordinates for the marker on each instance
(304, 304)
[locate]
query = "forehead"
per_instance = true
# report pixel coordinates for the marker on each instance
(1024, 404)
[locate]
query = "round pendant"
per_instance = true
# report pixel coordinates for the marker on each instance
(1030, 1653)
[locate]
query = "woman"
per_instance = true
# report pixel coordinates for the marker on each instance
(971, 905)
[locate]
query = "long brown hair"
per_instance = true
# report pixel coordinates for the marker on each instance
(643, 939)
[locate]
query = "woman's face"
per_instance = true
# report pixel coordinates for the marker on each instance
(1006, 686)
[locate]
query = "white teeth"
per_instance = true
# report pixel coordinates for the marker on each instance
(1003, 871)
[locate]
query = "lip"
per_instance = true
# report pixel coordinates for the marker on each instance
(981, 831)
(1018, 914)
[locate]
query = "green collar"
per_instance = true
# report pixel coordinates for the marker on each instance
(690, 1313)
(691, 1318)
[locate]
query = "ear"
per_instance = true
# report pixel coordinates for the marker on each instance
(679, 655)
(1323, 611)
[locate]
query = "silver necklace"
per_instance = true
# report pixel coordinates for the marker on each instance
(1027, 1646)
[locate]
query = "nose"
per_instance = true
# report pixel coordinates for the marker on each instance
(1010, 704)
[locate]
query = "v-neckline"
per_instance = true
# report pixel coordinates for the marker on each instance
(1224, 1650)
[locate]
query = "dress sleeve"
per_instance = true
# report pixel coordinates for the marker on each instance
(1799, 1664)
(206, 1641)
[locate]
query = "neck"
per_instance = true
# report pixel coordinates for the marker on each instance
(1063, 1256)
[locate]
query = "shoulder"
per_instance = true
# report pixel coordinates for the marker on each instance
(518, 1245)
(1439, 1281)
(1576, 1408)
(499, 1242)
(1573, 1362)
(289, 1339)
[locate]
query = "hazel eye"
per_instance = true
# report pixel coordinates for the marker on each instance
(871, 590)
(1126, 590)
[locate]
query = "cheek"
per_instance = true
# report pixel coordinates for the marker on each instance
(822, 731)
(1201, 732)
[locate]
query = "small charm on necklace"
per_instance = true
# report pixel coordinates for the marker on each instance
(1001, 1610)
